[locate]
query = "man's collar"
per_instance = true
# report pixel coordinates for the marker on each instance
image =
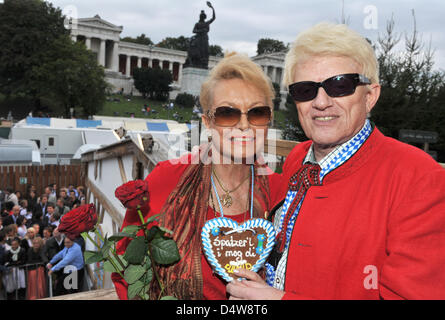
(62, 237)
(310, 156)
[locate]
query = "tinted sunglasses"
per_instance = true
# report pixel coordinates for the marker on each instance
(229, 117)
(336, 86)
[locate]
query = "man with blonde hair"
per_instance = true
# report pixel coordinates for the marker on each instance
(363, 214)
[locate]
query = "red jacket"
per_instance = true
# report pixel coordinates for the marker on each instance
(374, 229)
(161, 181)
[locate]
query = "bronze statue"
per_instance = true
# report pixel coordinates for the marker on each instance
(198, 53)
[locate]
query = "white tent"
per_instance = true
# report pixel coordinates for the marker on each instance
(85, 148)
(19, 151)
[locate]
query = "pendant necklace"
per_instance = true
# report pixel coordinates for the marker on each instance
(251, 193)
(226, 199)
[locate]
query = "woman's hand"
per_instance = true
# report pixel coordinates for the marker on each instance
(254, 288)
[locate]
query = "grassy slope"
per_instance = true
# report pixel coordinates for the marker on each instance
(125, 108)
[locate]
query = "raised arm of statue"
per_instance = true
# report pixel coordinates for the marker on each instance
(213, 15)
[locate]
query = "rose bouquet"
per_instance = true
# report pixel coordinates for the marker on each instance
(148, 248)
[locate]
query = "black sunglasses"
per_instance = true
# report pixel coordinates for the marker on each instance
(229, 117)
(336, 86)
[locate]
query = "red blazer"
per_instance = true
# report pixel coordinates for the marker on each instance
(375, 228)
(161, 181)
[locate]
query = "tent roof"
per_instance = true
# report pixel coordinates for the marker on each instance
(130, 124)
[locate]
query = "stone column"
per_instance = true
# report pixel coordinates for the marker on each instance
(88, 42)
(274, 74)
(170, 66)
(180, 74)
(115, 59)
(127, 69)
(280, 78)
(101, 54)
(74, 38)
(139, 62)
(150, 63)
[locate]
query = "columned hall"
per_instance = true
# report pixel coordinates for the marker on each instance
(120, 58)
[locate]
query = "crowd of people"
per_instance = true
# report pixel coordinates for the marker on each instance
(32, 250)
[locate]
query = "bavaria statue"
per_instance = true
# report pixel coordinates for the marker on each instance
(198, 52)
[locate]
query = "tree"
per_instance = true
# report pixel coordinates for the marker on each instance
(180, 43)
(216, 50)
(143, 79)
(39, 62)
(277, 99)
(440, 123)
(153, 83)
(142, 39)
(27, 28)
(185, 100)
(267, 45)
(70, 77)
(411, 88)
(292, 128)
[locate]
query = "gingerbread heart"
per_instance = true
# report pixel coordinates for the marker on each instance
(229, 246)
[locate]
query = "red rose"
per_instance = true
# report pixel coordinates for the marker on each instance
(133, 194)
(78, 220)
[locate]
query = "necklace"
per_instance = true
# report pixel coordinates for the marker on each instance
(213, 204)
(219, 201)
(216, 213)
(226, 199)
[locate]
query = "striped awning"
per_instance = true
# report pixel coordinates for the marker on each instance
(88, 123)
(131, 125)
(39, 121)
(157, 126)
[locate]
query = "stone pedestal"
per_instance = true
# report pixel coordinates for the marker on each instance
(192, 79)
(119, 81)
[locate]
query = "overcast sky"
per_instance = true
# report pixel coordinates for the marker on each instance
(240, 24)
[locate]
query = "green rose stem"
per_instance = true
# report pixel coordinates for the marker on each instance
(113, 250)
(151, 258)
(111, 260)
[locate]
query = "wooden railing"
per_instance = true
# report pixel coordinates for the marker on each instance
(101, 294)
(280, 147)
